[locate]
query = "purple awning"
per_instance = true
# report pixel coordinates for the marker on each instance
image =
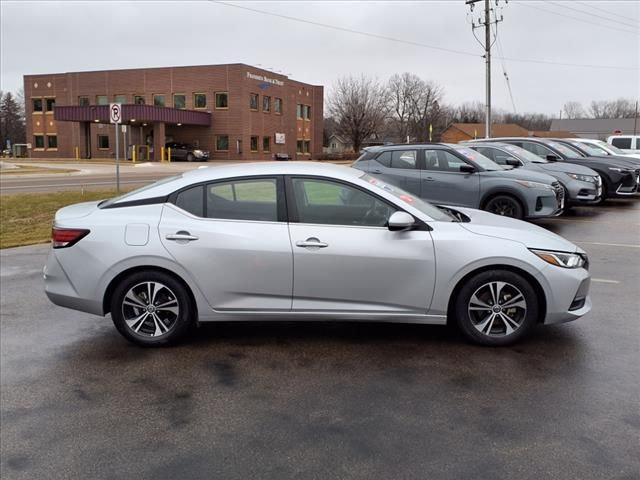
(131, 112)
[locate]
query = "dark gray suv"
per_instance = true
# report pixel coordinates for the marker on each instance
(457, 175)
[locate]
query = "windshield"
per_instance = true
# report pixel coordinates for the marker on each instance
(590, 148)
(111, 201)
(425, 207)
(523, 154)
(565, 150)
(479, 159)
(610, 148)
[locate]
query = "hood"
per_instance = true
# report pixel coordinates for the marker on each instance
(566, 167)
(531, 236)
(612, 161)
(625, 158)
(521, 174)
(76, 211)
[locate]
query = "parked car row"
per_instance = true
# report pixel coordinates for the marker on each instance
(515, 177)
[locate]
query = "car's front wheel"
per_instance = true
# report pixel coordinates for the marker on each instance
(151, 308)
(190, 157)
(496, 307)
(505, 205)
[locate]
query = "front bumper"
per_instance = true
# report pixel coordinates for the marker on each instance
(583, 193)
(547, 203)
(567, 293)
(628, 185)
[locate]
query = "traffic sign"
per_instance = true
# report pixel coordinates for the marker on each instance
(115, 112)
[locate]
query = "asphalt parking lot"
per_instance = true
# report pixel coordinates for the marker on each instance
(328, 400)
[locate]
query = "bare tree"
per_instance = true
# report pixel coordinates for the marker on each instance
(426, 109)
(12, 126)
(470, 112)
(620, 108)
(573, 110)
(359, 105)
(402, 90)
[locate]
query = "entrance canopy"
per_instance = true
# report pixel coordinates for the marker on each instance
(132, 115)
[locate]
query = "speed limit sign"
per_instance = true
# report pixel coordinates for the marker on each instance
(115, 112)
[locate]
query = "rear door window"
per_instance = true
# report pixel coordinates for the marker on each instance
(624, 143)
(255, 199)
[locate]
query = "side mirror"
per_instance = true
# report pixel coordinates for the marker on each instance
(552, 158)
(399, 221)
(467, 168)
(513, 162)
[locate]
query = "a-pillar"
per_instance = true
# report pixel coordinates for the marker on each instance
(158, 140)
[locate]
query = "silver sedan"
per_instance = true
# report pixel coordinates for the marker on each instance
(305, 241)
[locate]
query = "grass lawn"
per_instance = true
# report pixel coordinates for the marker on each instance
(26, 218)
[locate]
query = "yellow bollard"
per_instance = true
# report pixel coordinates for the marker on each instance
(133, 153)
(169, 154)
(77, 154)
(162, 154)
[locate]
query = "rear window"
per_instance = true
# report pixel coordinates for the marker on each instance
(623, 143)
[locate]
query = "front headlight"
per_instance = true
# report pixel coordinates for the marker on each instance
(535, 185)
(198, 153)
(583, 178)
(561, 259)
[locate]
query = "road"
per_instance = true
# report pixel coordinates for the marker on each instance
(91, 176)
(327, 400)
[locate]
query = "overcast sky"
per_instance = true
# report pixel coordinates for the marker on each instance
(57, 36)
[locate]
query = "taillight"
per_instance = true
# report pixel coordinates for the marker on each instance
(65, 237)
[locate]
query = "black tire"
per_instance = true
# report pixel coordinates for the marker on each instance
(172, 292)
(505, 205)
(470, 316)
(190, 157)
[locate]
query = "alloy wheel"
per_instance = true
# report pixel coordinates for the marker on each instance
(150, 309)
(497, 309)
(504, 207)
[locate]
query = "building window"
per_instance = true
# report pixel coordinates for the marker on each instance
(38, 141)
(138, 100)
(266, 104)
(306, 112)
(306, 148)
(158, 101)
(52, 141)
(222, 143)
(179, 101)
(199, 100)
(121, 98)
(83, 101)
(37, 105)
(102, 100)
(299, 111)
(103, 142)
(277, 105)
(299, 146)
(253, 101)
(254, 143)
(266, 144)
(50, 103)
(222, 100)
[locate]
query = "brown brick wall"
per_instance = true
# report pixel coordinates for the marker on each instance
(237, 121)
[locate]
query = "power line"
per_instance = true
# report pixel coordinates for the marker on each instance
(586, 4)
(412, 43)
(504, 68)
(574, 18)
(598, 16)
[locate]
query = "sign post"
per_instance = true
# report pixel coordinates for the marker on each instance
(115, 117)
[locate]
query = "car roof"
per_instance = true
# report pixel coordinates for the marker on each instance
(220, 172)
(403, 146)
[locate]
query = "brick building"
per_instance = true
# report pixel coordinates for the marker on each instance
(235, 111)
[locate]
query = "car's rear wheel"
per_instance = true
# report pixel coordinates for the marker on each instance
(505, 205)
(496, 308)
(151, 308)
(190, 157)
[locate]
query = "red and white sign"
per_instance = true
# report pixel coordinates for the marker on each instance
(115, 112)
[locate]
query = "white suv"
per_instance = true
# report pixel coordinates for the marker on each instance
(625, 142)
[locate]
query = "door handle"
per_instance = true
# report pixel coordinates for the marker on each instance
(181, 236)
(311, 243)
(376, 170)
(429, 179)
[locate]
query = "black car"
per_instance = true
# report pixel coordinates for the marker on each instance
(186, 152)
(590, 150)
(620, 178)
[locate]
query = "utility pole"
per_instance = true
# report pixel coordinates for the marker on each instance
(486, 23)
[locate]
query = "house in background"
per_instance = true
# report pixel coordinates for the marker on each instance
(338, 144)
(597, 128)
(461, 132)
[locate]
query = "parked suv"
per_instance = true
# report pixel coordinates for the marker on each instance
(457, 175)
(619, 177)
(184, 151)
(629, 143)
(582, 186)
